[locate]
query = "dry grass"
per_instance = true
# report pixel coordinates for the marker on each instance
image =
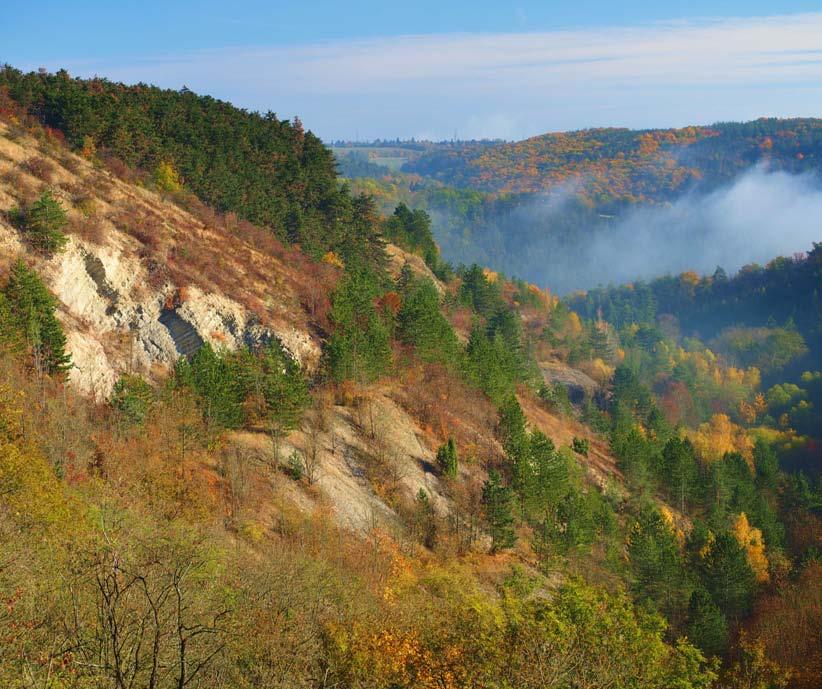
(41, 168)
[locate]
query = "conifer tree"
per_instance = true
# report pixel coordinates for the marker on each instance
(447, 458)
(498, 501)
(43, 222)
(707, 628)
(728, 576)
(32, 308)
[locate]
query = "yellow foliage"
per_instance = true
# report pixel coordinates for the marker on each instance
(575, 325)
(719, 436)
(709, 544)
(330, 258)
(167, 178)
(747, 412)
(598, 370)
(490, 275)
(750, 538)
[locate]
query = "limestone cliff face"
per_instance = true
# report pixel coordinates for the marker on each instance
(118, 314)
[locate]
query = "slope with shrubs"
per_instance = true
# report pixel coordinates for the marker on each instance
(417, 506)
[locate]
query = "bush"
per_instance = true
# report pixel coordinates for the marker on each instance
(39, 167)
(132, 398)
(580, 446)
(295, 466)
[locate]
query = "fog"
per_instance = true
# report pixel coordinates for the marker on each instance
(761, 215)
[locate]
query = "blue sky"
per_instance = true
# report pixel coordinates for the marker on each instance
(430, 69)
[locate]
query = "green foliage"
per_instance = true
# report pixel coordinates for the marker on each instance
(491, 365)
(425, 521)
(447, 458)
(580, 446)
(511, 429)
(555, 397)
(498, 501)
(359, 349)
(295, 465)
(269, 171)
(708, 628)
(214, 377)
(478, 293)
(653, 551)
(769, 349)
(31, 308)
(412, 230)
(132, 398)
(279, 378)
(420, 324)
(728, 576)
(679, 470)
(236, 388)
(43, 222)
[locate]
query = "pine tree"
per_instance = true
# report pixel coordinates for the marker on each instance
(498, 501)
(43, 222)
(728, 576)
(421, 324)
(447, 458)
(32, 308)
(359, 349)
(707, 628)
(680, 470)
(655, 559)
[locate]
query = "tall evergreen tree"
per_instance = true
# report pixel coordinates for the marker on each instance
(447, 458)
(32, 308)
(498, 500)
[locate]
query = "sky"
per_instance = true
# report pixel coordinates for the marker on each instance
(470, 69)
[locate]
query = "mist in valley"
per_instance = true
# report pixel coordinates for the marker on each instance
(556, 242)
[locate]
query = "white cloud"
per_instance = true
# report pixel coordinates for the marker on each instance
(502, 76)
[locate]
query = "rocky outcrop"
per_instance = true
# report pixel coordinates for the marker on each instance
(580, 386)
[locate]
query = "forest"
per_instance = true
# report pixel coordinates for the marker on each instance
(662, 531)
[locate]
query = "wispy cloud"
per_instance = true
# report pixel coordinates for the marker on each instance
(520, 74)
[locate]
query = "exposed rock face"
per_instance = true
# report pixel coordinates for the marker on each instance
(398, 257)
(105, 300)
(579, 385)
(117, 315)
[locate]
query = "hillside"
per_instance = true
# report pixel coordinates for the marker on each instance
(609, 167)
(280, 442)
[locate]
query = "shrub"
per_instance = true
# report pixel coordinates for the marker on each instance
(580, 446)
(39, 167)
(132, 398)
(295, 466)
(167, 178)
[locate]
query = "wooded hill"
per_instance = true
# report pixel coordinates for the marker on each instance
(353, 465)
